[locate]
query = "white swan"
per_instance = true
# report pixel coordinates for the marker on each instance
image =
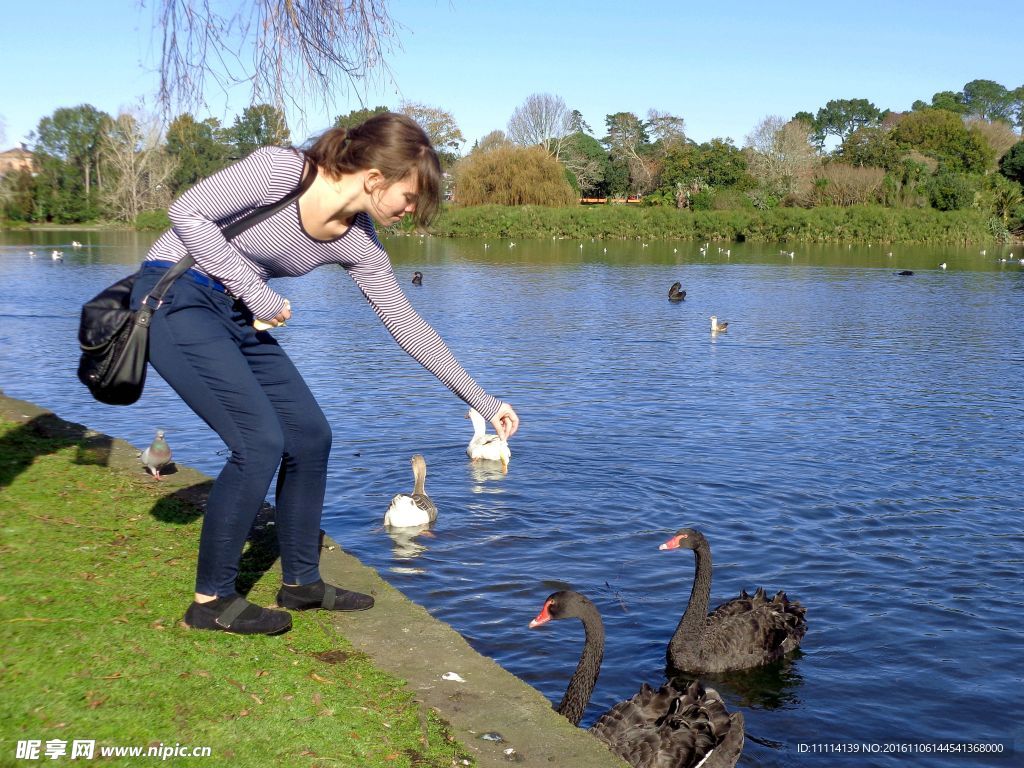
(416, 508)
(484, 446)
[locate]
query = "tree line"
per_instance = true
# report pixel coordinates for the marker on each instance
(961, 150)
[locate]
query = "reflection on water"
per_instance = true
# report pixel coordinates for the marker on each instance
(405, 544)
(854, 438)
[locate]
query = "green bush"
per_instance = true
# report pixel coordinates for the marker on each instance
(949, 191)
(152, 220)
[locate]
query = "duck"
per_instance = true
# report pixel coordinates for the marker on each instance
(717, 327)
(676, 292)
(416, 508)
(668, 726)
(741, 633)
(904, 273)
(417, 278)
(486, 447)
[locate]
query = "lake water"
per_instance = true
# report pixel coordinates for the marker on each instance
(854, 438)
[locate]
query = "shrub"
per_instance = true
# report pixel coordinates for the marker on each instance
(950, 191)
(844, 185)
(152, 220)
(512, 176)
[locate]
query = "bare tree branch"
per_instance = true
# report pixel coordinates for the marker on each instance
(286, 50)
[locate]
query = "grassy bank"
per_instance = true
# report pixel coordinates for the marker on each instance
(97, 570)
(784, 225)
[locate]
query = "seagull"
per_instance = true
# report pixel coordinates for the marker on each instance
(942, 265)
(157, 456)
(417, 278)
(31, 254)
(56, 255)
(716, 326)
(75, 244)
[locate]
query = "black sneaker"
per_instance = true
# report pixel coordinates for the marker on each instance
(237, 615)
(321, 595)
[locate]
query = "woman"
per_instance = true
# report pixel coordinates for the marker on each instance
(242, 384)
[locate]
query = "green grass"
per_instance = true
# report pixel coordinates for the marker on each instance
(864, 223)
(97, 570)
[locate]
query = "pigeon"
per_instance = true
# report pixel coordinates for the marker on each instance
(158, 455)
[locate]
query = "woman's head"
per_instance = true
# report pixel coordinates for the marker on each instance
(391, 143)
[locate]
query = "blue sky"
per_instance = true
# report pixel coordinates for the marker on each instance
(720, 67)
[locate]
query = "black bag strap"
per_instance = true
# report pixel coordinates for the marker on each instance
(233, 230)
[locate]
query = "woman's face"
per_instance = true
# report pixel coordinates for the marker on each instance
(390, 202)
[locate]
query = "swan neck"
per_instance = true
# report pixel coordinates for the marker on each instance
(581, 685)
(700, 594)
(479, 425)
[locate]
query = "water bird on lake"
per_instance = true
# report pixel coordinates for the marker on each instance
(75, 244)
(791, 254)
(741, 633)
(417, 278)
(904, 273)
(56, 255)
(676, 292)
(414, 508)
(942, 265)
(486, 447)
(157, 455)
(983, 251)
(665, 727)
(718, 327)
(31, 254)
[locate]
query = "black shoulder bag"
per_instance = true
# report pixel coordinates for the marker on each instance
(115, 339)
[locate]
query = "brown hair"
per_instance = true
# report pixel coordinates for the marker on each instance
(393, 144)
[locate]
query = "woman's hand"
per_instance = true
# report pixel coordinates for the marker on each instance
(505, 421)
(274, 322)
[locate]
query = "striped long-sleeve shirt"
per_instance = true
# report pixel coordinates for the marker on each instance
(279, 247)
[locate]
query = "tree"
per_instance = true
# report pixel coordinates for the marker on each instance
(585, 158)
(628, 145)
(358, 116)
(988, 100)
(943, 135)
(286, 49)
(258, 126)
(440, 126)
(198, 149)
(871, 147)
(577, 124)
(1012, 163)
(781, 157)
(66, 144)
(998, 134)
(541, 120)
(512, 176)
(665, 128)
(841, 117)
(492, 140)
(951, 101)
(138, 166)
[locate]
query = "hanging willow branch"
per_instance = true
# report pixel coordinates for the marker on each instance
(287, 50)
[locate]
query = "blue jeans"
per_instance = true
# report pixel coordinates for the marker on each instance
(244, 386)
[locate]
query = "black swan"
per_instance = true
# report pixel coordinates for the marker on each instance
(655, 728)
(417, 278)
(675, 292)
(740, 633)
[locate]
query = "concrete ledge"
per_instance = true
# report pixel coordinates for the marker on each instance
(399, 635)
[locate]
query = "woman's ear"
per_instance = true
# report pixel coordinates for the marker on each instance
(373, 180)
